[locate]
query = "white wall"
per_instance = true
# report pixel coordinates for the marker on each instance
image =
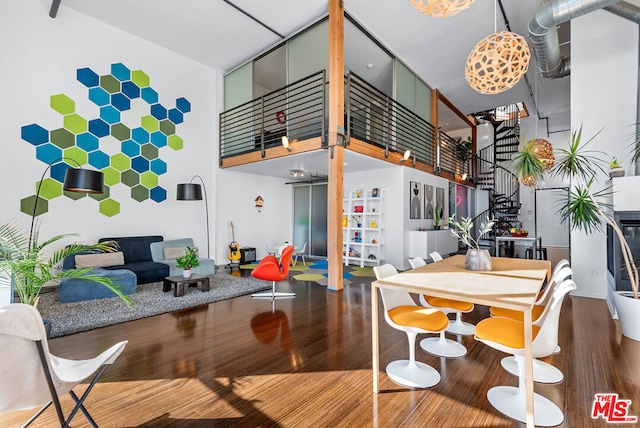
(604, 79)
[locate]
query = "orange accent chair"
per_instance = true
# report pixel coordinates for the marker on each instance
(270, 269)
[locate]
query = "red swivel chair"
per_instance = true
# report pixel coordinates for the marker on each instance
(269, 269)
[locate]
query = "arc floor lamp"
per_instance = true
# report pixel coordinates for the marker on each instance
(193, 192)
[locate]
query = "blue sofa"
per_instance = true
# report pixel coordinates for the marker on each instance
(137, 258)
(160, 254)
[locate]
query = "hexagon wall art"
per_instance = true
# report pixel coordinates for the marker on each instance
(135, 143)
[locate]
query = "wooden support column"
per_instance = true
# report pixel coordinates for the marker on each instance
(335, 143)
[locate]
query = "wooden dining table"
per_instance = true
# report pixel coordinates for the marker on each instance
(511, 284)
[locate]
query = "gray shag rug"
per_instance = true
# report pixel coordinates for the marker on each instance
(69, 318)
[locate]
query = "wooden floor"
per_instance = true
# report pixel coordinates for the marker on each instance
(307, 363)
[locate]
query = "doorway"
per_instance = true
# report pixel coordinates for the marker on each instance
(548, 224)
(310, 218)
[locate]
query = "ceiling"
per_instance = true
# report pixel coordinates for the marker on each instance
(218, 34)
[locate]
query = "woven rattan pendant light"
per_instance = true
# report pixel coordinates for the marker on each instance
(497, 62)
(440, 8)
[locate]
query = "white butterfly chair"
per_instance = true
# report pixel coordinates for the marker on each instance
(450, 306)
(507, 335)
(440, 346)
(402, 313)
(30, 376)
(542, 372)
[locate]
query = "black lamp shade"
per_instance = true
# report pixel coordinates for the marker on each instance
(189, 192)
(83, 181)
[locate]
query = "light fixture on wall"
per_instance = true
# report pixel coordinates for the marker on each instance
(296, 173)
(405, 157)
(440, 8)
(285, 143)
(193, 192)
(77, 180)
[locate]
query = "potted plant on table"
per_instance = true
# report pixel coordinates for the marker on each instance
(476, 258)
(187, 261)
(437, 216)
(615, 168)
(585, 211)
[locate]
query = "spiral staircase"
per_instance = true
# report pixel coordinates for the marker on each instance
(493, 173)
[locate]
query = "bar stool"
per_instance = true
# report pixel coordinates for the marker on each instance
(540, 252)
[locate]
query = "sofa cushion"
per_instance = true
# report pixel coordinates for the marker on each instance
(172, 253)
(78, 289)
(99, 259)
(146, 272)
(135, 248)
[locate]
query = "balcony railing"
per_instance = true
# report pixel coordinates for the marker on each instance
(299, 111)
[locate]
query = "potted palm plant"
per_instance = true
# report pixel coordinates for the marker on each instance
(586, 211)
(476, 258)
(27, 263)
(187, 261)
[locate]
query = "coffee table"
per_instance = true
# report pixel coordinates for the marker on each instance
(179, 282)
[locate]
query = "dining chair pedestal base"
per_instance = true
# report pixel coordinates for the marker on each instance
(542, 372)
(413, 374)
(274, 295)
(510, 400)
(461, 327)
(443, 347)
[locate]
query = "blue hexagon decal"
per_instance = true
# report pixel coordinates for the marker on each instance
(158, 194)
(99, 128)
(149, 95)
(48, 153)
(87, 142)
(99, 96)
(59, 170)
(98, 159)
(158, 111)
(140, 135)
(110, 114)
(183, 105)
(120, 72)
(87, 77)
(158, 166)
(158, 139)
(140, 164)
(175, 116)
(35, 134)
(120, 101)
(130, 148)
(131, 90)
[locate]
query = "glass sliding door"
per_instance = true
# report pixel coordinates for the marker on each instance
(310, 218)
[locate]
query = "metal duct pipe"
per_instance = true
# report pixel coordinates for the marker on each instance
(625, 10)
(544, 35)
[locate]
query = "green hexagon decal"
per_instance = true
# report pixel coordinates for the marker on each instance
(96, 136)
(77, 154)
(140, 78)
(111, 176)
(175, 142)
(50, 188)
(62, 104)
(149, 151)
(75, 123)
(109, 207)
(26, 205)
(149, 179)
(150, 123)
(62, 138)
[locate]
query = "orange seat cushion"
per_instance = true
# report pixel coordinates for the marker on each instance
(416, 316)
(516, 315)
(504, 331)
(439, 302)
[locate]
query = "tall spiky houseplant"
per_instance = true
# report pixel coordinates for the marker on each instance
(584, 209)
(31, 268)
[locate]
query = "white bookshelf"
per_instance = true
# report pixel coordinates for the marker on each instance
(363, 236)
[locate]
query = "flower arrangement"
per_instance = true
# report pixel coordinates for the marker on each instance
(462, 230)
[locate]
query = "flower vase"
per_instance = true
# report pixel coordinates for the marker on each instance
(479, 260)
(186, 273)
